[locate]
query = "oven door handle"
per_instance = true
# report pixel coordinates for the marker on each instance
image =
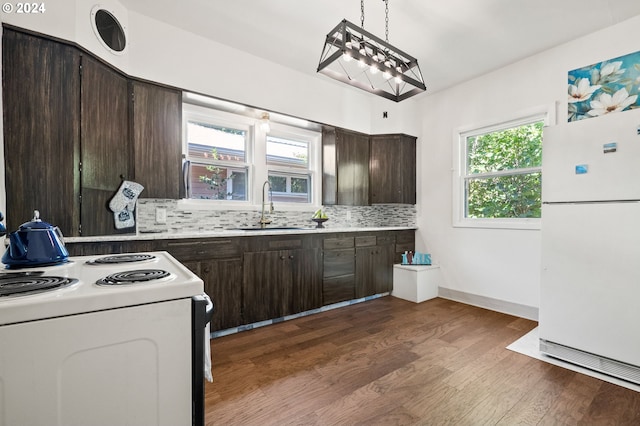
(202, 311)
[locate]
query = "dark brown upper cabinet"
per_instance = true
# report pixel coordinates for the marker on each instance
(156, 127)
(392, 169)
(105, 144)
(74, 128)
(345, 166)
(41, 87)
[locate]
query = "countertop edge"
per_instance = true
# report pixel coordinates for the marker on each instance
(145, 236)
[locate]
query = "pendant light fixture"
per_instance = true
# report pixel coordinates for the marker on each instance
(357, 57)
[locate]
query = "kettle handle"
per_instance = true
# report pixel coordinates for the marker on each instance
(16, 247)
(59, 234)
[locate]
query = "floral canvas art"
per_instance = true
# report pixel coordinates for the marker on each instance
(604, 88)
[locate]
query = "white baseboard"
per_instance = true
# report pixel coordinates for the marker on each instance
(516, 309)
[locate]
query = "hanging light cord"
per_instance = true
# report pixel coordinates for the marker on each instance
(362, 14)
(386, 20)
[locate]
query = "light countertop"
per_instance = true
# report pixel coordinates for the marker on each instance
(140, 236)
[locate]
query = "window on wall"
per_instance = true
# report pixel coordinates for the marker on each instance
(228, 156)
(288, 169)
(217, 155)
(499, 179)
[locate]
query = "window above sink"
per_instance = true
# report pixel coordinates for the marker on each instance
(228, 156)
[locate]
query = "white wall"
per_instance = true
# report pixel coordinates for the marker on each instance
(496, 263)
(161, 52)
(169, 55)
(164, 53)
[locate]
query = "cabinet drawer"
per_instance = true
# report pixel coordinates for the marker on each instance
(338, 289)
(338, 262)
(202, 250)
(292, 243)
(403, 237)
(387, 239)
(364, 241)
(338, 243)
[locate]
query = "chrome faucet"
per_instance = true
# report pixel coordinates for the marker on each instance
(264, 221)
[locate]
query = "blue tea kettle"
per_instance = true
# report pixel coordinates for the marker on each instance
(35, 243)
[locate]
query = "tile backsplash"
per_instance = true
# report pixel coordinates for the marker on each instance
(183, 220)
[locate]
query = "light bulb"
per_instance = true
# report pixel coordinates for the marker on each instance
(264, 122)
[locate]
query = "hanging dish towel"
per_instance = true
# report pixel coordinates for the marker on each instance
(126, 196)
(207, 353)
(207, 345)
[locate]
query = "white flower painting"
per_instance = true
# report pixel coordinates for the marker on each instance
(604, 88)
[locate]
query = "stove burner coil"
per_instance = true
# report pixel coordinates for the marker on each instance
(28, 284)
(122, 258)
(132, 277)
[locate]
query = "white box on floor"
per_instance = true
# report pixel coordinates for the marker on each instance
(416, 283)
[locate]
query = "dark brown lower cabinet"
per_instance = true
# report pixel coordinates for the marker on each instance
(374, 269)
(223, 284)
(338, 289)
(306, 279)
(218, 262)
(338, 283)
(262, 278)
(280, 282)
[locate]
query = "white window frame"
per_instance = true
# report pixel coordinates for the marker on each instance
(256, 158)
(460, 135)
(313, 140)
(222, 119)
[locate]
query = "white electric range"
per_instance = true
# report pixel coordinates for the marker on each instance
(102, 340)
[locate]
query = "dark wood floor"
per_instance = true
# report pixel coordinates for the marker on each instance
(392, 362)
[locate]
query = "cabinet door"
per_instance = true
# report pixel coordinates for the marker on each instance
(345, 168)
(306, 279)
(352, 158)
(223, 283)
(106, 148)
(385, 169)
(374, 270)
(41, 98)
(405, 241)
(266, 285)
(408, 160)
(365, 271)
(383, 275)
(392, 169)
(157, 124)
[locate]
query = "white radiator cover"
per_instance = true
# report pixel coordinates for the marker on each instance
(598, 363)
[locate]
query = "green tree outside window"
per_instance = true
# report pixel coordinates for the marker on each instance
(503, 176)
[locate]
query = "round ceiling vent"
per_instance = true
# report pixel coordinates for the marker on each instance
(108, 30)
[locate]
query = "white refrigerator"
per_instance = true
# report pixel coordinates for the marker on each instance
(590, 282)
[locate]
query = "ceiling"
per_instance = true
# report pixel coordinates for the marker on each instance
(453, 40)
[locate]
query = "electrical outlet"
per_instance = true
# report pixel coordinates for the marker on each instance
(161, 215)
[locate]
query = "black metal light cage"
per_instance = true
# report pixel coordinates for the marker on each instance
(359, 58)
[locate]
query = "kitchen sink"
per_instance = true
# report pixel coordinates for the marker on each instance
(269, 228)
